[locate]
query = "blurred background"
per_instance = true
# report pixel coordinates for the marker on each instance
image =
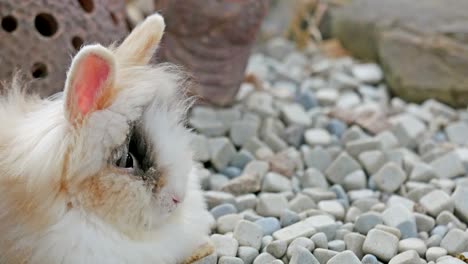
(421, 46)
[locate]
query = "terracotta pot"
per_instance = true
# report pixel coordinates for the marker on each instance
(212, 39)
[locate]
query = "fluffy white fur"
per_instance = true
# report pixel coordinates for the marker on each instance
(60, 199)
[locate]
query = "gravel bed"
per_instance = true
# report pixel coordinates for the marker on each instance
(317, 163)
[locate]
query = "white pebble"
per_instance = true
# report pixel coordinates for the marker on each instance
(390, 177)
(347, 257)
(406, 257)
(227, 223)
(455, 241)
(415, 244)
(271, 204)
(248, 234)
(367, 73)
(224, 245)
(334, 208)
(277, 248)
(264, 258)
(247, 254)
(230, 260)
(436, 202)
(317, 137)
(433, 253)
(274, 182)
(381, 244)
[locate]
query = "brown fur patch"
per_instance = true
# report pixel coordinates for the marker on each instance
(161, 180)
(111, 195)
(203, 251)
(31, 211)
(63, 177)
(26, 206)
(94, 191)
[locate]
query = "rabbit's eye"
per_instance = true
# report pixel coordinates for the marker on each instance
(132, 154)
(127, 161)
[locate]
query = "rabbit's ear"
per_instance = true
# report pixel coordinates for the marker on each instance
(89, 82)
(139, 46)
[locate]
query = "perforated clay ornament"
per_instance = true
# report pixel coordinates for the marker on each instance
(39, 37)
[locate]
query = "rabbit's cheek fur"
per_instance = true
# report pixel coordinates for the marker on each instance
(118, 200)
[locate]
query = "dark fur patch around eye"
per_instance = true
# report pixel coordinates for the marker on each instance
(155, 178)
(148, 168)
(140, 149)
(135, 147)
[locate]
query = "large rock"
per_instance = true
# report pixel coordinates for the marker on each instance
(421, 45)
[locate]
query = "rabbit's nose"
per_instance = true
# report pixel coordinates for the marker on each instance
(175, 200)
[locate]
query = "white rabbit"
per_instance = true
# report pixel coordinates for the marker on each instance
(102, 173)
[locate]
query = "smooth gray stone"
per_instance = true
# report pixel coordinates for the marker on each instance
(247, 254)
(365, 222)
(223, 209)
(289, 217)
(347, 257)
(303, 256)
(269, 225)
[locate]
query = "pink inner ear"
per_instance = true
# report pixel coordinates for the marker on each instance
(89, 78)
